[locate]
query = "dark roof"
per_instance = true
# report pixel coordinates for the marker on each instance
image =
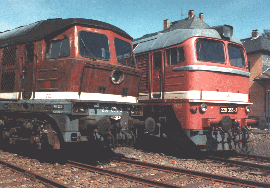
(178, 32)
(264, 76)
(189, 23)
(256, 44)
(41, 29)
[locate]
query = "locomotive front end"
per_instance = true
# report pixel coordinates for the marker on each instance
(195, 81)
(217, 112)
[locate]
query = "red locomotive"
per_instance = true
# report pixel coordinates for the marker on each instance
(195, 84)
(67, 81)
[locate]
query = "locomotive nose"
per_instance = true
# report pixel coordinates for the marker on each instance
(226, 123)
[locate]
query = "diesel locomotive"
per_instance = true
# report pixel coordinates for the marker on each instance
(195, 84)
(66, 82)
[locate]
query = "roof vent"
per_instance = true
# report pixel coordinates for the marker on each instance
(255, 33)
(165, 23)
(201, 16)
(190, 13)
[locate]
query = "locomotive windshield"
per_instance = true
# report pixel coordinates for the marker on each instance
(210, 51)
(94, 45)
(124, 52)
(236, 56)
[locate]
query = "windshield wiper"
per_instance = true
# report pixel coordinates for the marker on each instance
(94, 58)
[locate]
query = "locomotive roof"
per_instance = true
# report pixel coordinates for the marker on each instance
(256, 44)
(40, 29)
(177, 33)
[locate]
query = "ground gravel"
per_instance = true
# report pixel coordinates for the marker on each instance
(259, 143)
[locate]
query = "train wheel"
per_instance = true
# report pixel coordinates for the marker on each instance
(49, 138)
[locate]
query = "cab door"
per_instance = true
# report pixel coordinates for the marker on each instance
(157, 75)
(27, 71)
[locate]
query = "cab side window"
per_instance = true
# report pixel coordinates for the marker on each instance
(175, 55)
(181, 55)
(58, 48)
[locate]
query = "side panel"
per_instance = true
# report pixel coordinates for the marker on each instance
(10, 72)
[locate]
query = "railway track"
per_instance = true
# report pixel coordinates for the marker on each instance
(17, 176)
(164, 176)
(251, 161)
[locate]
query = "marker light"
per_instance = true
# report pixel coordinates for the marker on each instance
(203, 107)
(248, 109)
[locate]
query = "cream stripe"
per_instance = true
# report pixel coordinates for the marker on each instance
(13, 95)
(202, 96)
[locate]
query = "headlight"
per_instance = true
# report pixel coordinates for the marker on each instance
(203, 107)
(117, 76)
(248, 109)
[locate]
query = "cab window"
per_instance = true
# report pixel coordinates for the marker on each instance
(94, 45)
(175, 55)
(236, 56)
(124, 52)
(58, 48)
(171, 56)
(210, 51)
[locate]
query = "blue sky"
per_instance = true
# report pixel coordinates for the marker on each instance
(139, 17)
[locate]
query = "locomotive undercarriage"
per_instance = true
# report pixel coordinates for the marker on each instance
(216, 139)
(223, 135)
(27, 133)
(55, 125)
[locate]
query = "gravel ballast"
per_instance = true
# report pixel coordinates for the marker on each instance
(259, 145)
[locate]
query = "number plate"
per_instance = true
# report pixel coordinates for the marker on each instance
(231, 110)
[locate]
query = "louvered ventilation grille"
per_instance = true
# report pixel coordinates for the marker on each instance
(7, 81)
(143, 64)
(9, 56)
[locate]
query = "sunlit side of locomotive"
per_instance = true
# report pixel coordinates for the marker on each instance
(196, 78)
(65, 81)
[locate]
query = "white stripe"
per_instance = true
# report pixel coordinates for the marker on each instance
(204, 96)
(143, 96)
(212, 69)
(85, 96)
(14, 95)
(203, 101)
(224, 96)
(183, 95)
(108, 97)
(174, 95)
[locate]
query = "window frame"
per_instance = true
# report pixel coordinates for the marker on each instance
(49, 44)
(132, 53)
(240, 48)
(108, 42)
(214, 41)
(177, 55)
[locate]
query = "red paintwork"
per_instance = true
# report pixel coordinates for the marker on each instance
(63, 74)
(171, 80)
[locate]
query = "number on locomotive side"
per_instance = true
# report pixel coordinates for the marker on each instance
(230, 110)
(223, 110)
